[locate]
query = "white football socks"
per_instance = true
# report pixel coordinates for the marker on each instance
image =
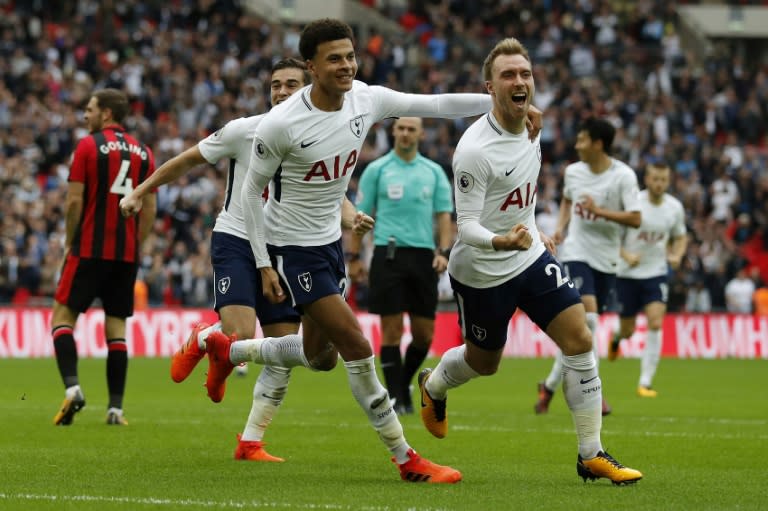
(555, 376)
(649, 360)
(451, 372)
(268, 394)
(583, 394)
(374, 400)
(286, 351)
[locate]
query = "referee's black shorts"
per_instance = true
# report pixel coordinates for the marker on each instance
(407, 283)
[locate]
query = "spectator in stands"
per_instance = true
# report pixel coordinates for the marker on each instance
(760, 298)
(155, 53)
(739, 291)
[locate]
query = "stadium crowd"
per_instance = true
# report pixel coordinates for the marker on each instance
(191, 65)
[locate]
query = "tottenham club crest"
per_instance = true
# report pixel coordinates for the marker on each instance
(223, 285)
(465, 182)
(305, 281)
(356, 125)
(479, 333)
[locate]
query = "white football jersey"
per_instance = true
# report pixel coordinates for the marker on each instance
(495, 175)
(661, 222)
(310, 155)
(233, 141)
(596, 241)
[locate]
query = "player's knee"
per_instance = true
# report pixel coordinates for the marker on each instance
(487, 370)
(326, 360)
(484, 367)
(626, 333)
(579, 342)
(654, 323)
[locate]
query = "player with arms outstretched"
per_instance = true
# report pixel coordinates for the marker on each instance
(238, 295)
(308, 146)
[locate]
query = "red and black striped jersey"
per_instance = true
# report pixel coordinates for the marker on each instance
(110, 163)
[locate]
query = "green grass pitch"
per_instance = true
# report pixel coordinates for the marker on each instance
(702, 444)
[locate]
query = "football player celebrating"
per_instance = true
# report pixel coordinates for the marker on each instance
(501, 262)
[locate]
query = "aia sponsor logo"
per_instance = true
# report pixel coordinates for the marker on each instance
(333, 169)
(522, 197)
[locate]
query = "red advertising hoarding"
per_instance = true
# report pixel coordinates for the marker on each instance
(25, 333)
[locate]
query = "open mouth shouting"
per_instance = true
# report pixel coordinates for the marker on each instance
(519, 98)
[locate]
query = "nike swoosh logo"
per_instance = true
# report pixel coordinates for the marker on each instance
(587, 381)
(376, 403)
(306, 144)
(510, 171)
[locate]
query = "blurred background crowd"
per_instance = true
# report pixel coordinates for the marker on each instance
(189, 66)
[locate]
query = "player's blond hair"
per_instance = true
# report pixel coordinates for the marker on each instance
(508, 46)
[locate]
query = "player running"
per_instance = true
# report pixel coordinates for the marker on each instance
(238, 296)
(309, 146)
(641, 284)
(501, 262)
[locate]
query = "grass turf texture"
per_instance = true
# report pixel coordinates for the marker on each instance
(702, 444)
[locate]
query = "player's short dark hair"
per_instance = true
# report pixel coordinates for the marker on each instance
(293, 63)
(114, 100)
(508, 46)
(599, 129)
(321, 31)
(660, 164)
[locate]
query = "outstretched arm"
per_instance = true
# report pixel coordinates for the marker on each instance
(168, 172)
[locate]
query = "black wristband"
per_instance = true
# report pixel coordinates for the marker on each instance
(445, 252)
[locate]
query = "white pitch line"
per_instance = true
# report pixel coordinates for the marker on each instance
(679, 434)
(152, 501)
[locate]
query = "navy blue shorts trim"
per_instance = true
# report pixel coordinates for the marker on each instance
(589, 281)
(634, 294)
(542, 291)
(237, 281)
(310, 273)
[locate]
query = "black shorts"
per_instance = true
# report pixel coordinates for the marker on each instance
(407, 283)
(83, 280)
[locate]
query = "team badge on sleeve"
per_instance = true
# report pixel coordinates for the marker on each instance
(259, 149)
(465, 182)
